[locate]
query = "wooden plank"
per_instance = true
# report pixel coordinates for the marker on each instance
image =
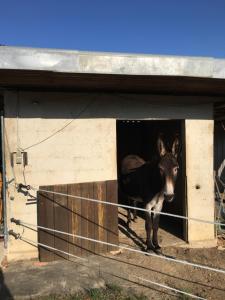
(84, 218)
(74, 217)
(61, 221)
(112, 214)
(77, 216)
(96, 229)
(84, 224)
(45, 217)
(100, 217)
(91, 218)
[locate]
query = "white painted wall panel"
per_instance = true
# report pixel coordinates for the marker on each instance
(199, 170)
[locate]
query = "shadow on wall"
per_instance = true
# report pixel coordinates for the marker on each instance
(4, 291)
(50, 105)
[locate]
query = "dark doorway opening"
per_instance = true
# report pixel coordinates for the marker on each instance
(139, 137)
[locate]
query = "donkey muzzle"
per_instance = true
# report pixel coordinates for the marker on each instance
(168, 197)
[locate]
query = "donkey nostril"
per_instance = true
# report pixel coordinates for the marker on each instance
(168, 197)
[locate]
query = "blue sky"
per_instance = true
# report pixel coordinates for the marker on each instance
(173, 27)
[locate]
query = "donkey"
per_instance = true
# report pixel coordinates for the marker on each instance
(151, 183)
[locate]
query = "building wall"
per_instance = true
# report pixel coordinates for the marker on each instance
(200, 184)
(71, 138)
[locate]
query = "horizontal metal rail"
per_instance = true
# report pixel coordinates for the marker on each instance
(169, 288)
(48, 247)
(136, 277)
(131, 207)
(18, 222)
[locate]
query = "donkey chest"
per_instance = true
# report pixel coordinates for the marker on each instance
(156, 203)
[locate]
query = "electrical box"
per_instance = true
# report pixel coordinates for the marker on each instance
(19, 158)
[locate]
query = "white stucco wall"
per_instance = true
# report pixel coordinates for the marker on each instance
(200, 183)
(71, 137)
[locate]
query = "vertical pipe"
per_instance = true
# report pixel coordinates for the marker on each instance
(4, 182)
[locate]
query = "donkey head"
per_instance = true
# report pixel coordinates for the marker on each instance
(168, 166)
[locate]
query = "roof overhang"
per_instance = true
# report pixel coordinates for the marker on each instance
(29, 68)
(29, 79)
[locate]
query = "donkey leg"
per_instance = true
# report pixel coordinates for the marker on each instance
(135, 211)
(155, 221)
(136, 200)
(155, 231)
(128, 214)
(148, 228)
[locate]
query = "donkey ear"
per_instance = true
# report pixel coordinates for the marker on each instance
(175, 147)
(161, 146)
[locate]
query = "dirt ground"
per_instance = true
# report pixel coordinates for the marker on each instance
(26, 280)
(207, 284)
(128, 270)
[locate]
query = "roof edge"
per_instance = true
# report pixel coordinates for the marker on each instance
(73, 61)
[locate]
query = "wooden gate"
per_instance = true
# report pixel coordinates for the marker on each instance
(77, 216)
